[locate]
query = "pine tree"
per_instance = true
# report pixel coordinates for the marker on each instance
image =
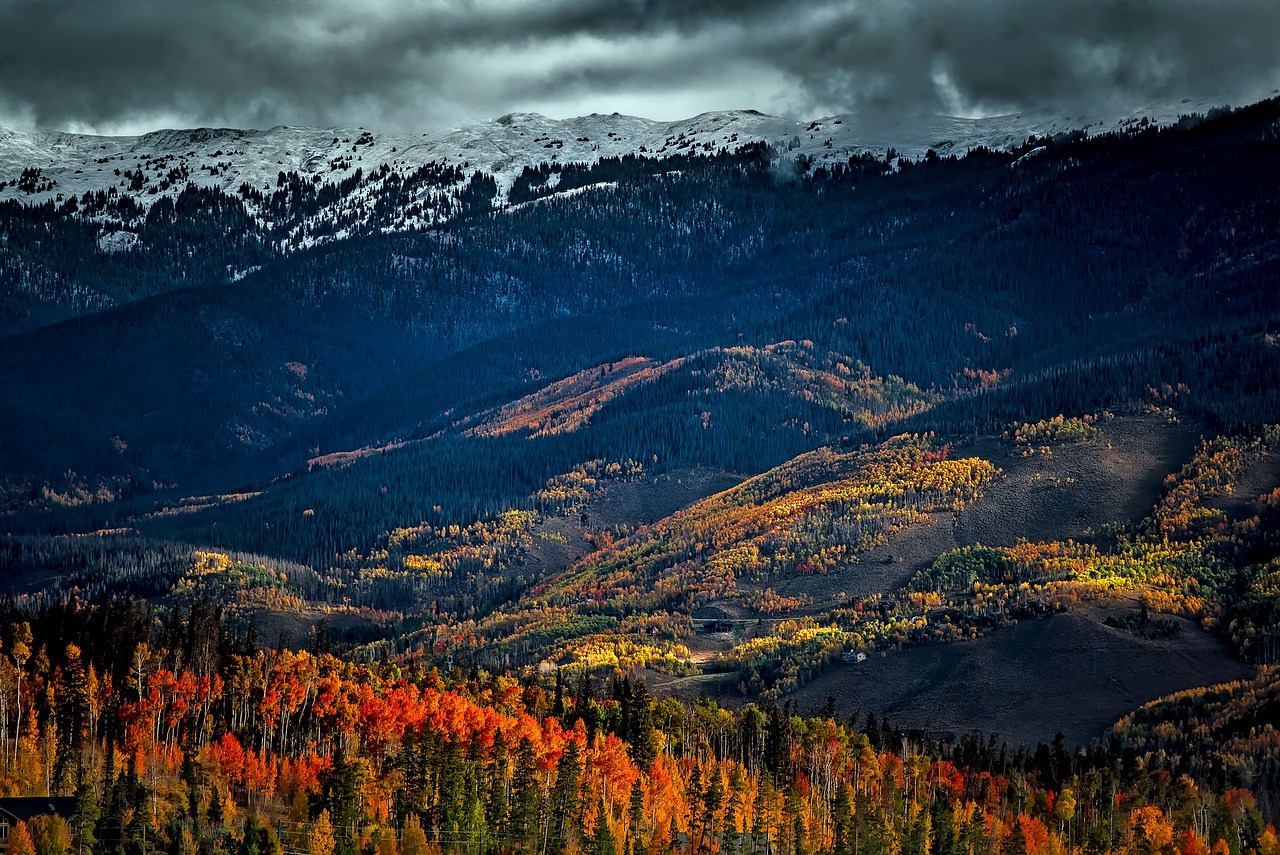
(760, 814)
(475, 827)
(191, 777)
(134, 795)
(497, 808)
(641, 744)
(635, 820)
(943, 842)
(711, 802)
(602, 840)
(799, 831)
(525, 796)
(72, 697)
(565, 812)
(340, 794)
(86, 816)
(1014, 842)
(693, 798)
(452, 791)
(557, 707)
(842, 822)
(974, 839)
(216, 819)
(251, 837)
(107, 830)
(584, 706)
(268, 840)
(919, 835)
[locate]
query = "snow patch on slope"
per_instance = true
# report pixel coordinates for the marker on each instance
(120, 241)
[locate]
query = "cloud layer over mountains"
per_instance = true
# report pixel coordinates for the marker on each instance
(129, 65)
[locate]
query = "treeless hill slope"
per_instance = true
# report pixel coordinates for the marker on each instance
(1078, 487)
(1257, 480)
(1068, 672)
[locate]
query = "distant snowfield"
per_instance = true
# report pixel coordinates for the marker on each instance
(154, 165)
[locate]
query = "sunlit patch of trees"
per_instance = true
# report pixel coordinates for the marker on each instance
(1029, 439)
(809, 516)
(568, 404)
(802, 517)
(214, 576)
(830, 379)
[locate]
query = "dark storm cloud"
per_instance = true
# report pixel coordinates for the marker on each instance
(1024, 53)
(120, 63)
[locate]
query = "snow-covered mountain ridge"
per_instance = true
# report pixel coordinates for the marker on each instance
(38, 166)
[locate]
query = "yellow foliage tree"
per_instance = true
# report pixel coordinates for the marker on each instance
(413, 840)
(385, 841)
(50, 835)
(1267, 842)
(320, 841)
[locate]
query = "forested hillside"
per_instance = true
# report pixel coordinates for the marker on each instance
(1144, 257)
(204, 745)
(611, 510)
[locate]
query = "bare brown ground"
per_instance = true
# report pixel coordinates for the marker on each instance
(1067, 673)
(295, 628)
(1079, 487)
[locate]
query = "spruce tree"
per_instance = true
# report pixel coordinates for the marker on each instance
(525, 796)
(842, 822)
(216, 819)
(635, 820)
(602, 840)
(497, 808)
(250, 838)
(86, 816)
(565, 812)
(268, 840)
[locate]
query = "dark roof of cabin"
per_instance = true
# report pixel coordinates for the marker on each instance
(26, 809)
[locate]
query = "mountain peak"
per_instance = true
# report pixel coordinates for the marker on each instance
(516, 118)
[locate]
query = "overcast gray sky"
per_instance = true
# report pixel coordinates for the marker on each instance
(131, 65)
